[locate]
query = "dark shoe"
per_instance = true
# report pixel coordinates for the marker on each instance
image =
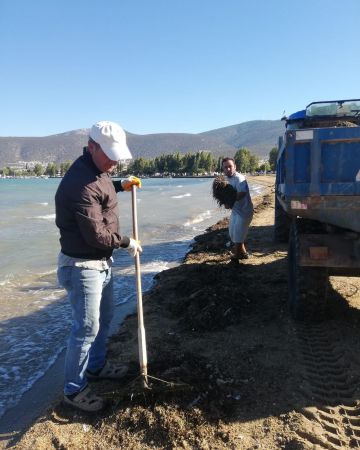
(109, 371)
(244, 255)
(85, 400)
(234, 260)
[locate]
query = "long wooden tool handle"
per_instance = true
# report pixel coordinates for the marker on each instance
(140, 314)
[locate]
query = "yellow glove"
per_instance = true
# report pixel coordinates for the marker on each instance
(130, 181)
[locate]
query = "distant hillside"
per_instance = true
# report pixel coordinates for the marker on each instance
(258, 135)
(151, 145)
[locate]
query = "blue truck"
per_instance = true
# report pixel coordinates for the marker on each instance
(317, 201)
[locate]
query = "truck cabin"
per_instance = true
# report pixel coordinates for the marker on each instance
(326, 114)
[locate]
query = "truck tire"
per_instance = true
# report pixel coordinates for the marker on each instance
(282, 223)
(308, 286)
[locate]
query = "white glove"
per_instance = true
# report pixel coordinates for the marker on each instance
(134, 247)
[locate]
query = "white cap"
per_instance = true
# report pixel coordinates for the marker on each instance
(112, 140)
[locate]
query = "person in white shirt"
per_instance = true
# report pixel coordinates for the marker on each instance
(242, 210)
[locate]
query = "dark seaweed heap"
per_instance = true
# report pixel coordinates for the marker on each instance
(223, 192)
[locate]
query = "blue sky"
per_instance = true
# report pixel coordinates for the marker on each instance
(161, 66)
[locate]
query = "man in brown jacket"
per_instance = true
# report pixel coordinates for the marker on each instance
(87, 217)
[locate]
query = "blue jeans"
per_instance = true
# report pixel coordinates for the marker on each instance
(91, 296)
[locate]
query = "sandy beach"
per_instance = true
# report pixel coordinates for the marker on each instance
(228, 367)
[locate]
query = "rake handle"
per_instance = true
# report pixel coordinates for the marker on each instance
(140, 314)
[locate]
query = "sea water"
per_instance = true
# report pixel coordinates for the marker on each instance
(34, 312)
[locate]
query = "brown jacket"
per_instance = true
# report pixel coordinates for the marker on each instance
(87, 212)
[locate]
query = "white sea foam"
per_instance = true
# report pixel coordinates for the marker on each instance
(181, 196)
(43, 203)
(6, 281)
(46, 217)
(55, 294)
(154, 267)
(198, 219)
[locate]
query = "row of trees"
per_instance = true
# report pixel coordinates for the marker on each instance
(175, 163)
(198, 163)
(189, 164)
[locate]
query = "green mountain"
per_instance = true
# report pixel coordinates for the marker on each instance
(258, 135)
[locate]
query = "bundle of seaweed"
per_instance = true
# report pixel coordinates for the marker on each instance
(223, 192)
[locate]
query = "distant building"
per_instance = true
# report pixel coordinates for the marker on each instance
(25, 165)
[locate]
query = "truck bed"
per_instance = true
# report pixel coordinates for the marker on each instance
(318, 175)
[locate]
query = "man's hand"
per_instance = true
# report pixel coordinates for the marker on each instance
(129, 182)
(134, 247)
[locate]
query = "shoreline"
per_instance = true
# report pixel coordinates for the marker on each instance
(38, 398)
(46, 177)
